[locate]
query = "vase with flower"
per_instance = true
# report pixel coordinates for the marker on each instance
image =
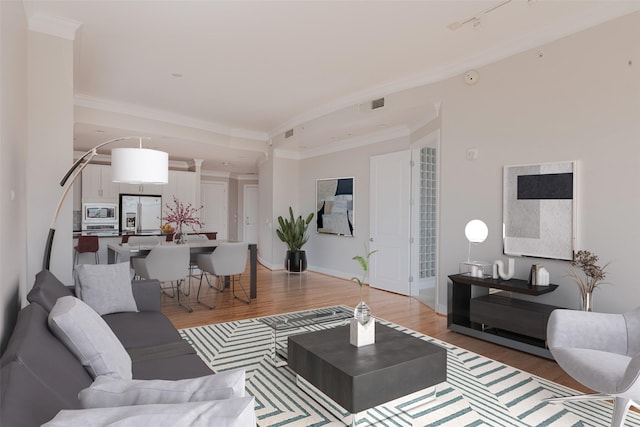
(182, 215)
(589, 279)
(362, 325)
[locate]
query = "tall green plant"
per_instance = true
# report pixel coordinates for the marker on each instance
(293, 231)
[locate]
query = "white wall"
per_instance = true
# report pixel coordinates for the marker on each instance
(50, 150)
(13, 141)
(579, 101)
(332, 254)
(286, 192)
(265, 218)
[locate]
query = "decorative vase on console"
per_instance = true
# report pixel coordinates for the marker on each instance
(593, 276)
(362, 330)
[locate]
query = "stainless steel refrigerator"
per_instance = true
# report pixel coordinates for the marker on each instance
(140, 214)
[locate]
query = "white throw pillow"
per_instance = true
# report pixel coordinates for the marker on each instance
(105, 287)
(89, 338)
(108, 391)
(238, 412)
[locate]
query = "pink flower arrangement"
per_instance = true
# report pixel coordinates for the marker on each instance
(183, 214)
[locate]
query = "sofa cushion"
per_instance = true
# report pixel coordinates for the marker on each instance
(170, 368)
(89, 338)
(238, 412)
(40, 375)
(107, 391)
(105, 287)
(47, 289)
(152, 328)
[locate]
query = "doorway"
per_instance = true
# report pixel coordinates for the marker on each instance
(215, 211)
(250, 213)
(404, 221)
(390, 182)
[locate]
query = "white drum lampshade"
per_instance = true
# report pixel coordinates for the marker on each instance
(139, 166)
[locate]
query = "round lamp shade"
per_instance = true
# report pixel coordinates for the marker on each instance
(476, 231)
(139, 166)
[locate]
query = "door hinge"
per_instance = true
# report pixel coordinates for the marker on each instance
(412, 163)
(410, 279)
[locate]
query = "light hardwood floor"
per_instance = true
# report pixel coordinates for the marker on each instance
(279, 292)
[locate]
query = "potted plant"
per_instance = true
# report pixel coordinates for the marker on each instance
(362, 312)
(593, 276)
(293, 232)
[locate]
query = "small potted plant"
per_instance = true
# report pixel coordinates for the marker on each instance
(593, 276)
(293, 232)
(362, 311)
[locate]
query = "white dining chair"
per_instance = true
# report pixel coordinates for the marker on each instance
(169, 263)
(146, 241)
(228, 259)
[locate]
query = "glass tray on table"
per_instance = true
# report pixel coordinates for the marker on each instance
(287, 324)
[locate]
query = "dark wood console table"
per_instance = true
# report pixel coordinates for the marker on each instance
(497, 317)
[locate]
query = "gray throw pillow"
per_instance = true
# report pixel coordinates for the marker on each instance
(47, 289)
(89, 338)
(108, 391)
(105, 287)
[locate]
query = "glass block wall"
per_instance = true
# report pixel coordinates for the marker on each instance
(428, 212)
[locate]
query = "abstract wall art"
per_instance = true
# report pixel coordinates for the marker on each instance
(334, 206)
(539, 210)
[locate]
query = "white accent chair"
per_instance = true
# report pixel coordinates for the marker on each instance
(146, 241)
(229, 259)
(602, 352)
(169, 263)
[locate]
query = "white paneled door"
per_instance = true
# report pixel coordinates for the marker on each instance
(390, 222)
(215, 210)
(250, 214)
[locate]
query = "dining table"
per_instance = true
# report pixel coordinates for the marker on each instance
(122, 251)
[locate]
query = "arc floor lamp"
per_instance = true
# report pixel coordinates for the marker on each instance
(128, 165)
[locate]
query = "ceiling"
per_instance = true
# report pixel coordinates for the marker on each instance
(222, 80)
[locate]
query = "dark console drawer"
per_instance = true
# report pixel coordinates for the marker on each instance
(513, 315)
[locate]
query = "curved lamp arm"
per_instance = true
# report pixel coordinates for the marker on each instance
(68, 180)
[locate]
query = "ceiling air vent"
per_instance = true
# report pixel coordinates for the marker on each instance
(377, 103)
(289, 133)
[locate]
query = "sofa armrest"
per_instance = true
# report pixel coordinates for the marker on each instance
(147, 294)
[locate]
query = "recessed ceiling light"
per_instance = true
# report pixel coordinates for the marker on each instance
(99, 131)
(226, 164)
(176, 75)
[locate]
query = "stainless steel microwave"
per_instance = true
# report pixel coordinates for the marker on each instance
(99, 213)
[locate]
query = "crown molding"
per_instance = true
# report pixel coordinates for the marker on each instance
(571, 25)
(54, 26)
(345, 144)
(111, 106)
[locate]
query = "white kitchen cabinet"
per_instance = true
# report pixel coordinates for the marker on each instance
(97, 185)
(148, 189)
(182, 185)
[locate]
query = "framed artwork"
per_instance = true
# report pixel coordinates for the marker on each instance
(539, 210)
(334, 206)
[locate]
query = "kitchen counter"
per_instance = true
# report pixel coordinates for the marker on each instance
(106, 238)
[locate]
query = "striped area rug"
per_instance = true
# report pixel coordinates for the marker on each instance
(478, 390)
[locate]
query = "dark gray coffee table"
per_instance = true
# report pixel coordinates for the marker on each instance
(360, 378)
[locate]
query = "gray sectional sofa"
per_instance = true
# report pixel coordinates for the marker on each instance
(40, 376)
